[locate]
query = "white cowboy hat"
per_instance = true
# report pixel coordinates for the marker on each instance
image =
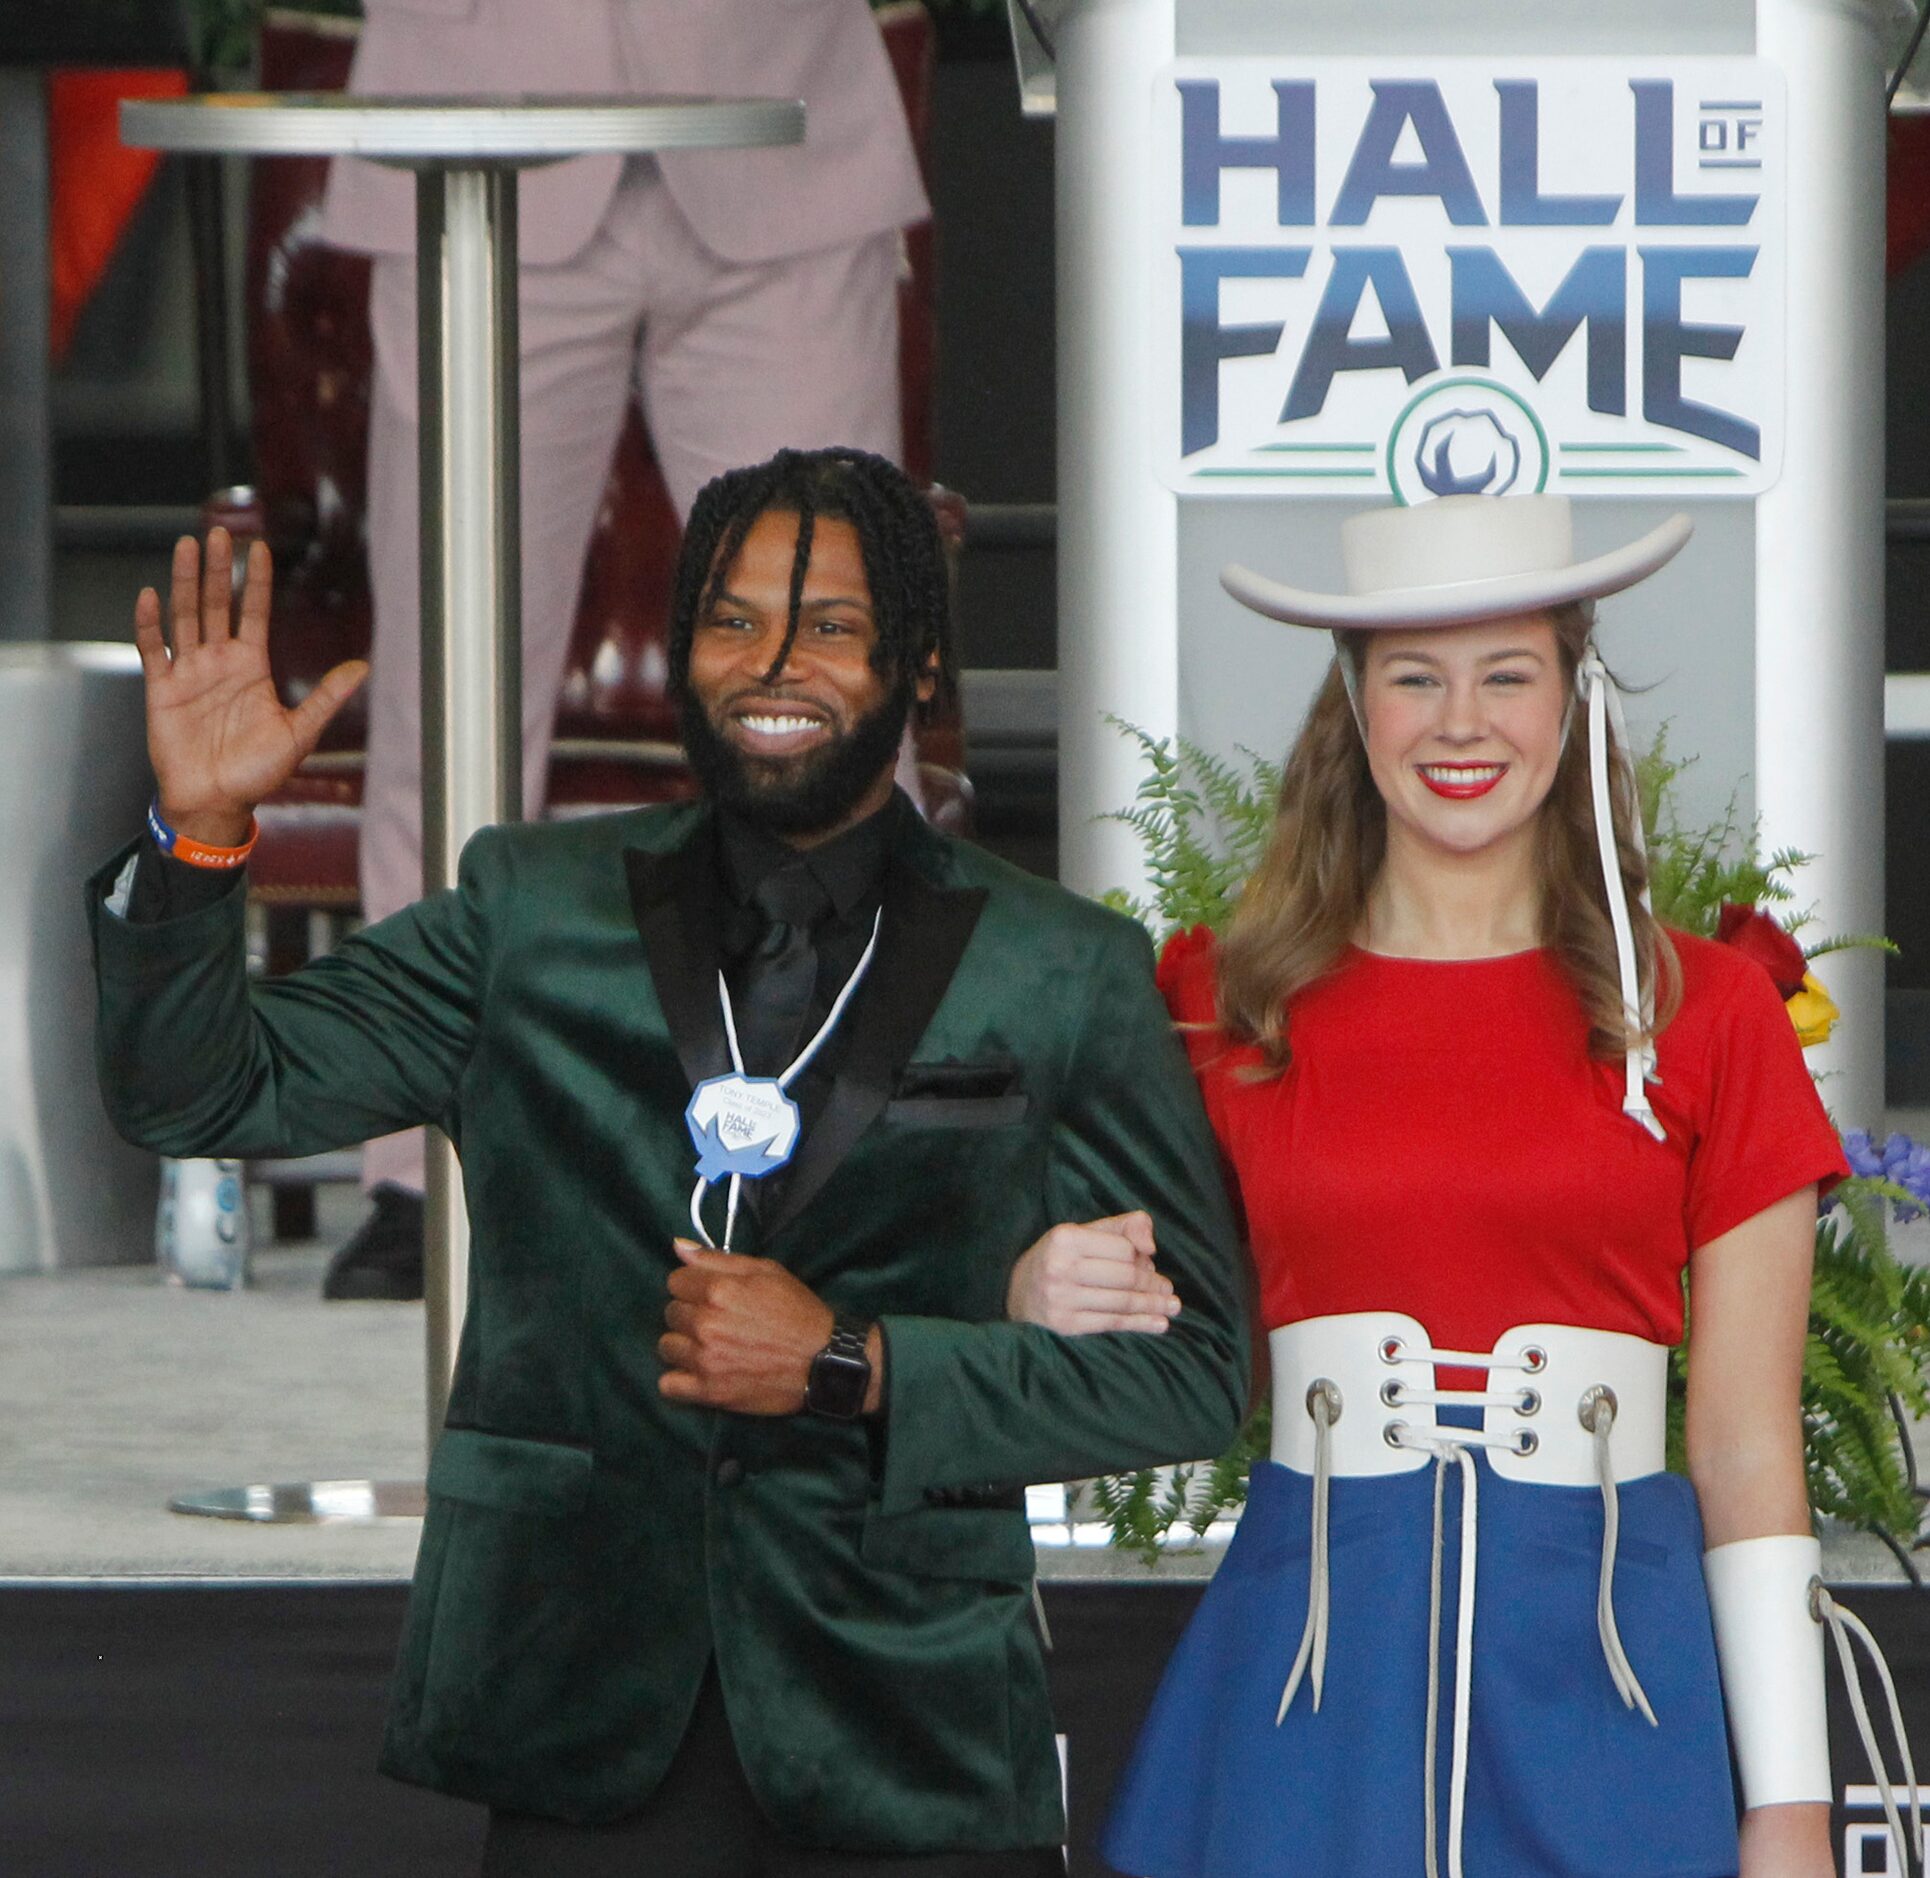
(1455, 559)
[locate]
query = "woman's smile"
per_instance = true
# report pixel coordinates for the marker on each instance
(1461, 782)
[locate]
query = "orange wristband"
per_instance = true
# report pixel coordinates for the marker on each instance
(197, 853)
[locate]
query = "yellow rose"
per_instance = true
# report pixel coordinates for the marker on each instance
(1812, 1012)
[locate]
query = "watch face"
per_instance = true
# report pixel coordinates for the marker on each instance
(838, 1383)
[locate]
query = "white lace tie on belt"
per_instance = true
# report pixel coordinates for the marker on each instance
(1323, 1404)
(1595, 1409)
(1842, 1625)
(1444, 1451)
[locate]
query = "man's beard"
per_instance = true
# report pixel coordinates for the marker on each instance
(799, 795)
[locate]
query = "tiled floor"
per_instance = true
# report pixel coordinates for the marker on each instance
(117, 1390)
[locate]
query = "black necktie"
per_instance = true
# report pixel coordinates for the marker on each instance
(781, 975)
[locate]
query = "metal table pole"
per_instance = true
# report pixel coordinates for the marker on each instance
(466, 154)
(472, 745)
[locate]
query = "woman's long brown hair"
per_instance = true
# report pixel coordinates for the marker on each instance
(1306, 900)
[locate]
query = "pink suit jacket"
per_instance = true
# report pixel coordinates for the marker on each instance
(854, 175)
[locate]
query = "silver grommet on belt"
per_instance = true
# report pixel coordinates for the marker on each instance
(1528, 1402)
(1322, 1389)
(1391, 1391)
(1391, 1348)
(1596, 1396)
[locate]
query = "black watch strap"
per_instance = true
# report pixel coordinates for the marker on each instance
(841, 1372)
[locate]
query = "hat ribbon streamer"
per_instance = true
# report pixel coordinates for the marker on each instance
(1638, 1007)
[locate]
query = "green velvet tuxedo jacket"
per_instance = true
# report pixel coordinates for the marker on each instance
(589, 1546)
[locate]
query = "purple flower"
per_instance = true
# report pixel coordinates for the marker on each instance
(1909, 1165)
(1861, 1153)
(1900, 1161)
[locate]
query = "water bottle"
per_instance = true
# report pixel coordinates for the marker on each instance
(201, 1225)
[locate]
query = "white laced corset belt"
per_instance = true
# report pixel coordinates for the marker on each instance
(1357, 1395)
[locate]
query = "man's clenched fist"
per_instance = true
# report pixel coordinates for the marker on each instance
(740, 1333)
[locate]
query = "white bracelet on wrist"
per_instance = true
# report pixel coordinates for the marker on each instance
(1769, 1647)
(1772, 1611)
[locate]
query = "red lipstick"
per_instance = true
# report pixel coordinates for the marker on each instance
(1460, 782)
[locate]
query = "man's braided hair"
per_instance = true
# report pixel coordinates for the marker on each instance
(904, 563)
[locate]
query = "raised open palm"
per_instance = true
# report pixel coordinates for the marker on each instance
(218, 736)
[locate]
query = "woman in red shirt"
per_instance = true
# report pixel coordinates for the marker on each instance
(1480, 1110)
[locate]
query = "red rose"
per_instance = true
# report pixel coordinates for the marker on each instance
(1757, 936)
(1188, 975)
(1185, 955)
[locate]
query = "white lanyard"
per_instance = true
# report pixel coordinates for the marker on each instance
(768, 1091)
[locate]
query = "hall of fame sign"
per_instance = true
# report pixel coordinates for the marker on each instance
(1410, 278)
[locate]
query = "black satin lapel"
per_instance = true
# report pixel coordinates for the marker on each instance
(922, 937)
(675, 900)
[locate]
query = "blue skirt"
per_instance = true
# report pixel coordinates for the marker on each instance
(1562, 1782)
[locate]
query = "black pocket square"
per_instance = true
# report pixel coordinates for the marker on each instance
(959, 1095)
(958, 1082)
(999, 1111)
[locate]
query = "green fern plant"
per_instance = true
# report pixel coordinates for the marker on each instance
(1695, 872)
(1864, 1370)
(1203, 824)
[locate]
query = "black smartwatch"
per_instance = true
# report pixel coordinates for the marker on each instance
(841, 1371)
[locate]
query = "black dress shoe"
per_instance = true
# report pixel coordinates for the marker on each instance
(384, 1259)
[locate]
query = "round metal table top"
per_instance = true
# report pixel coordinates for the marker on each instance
(460, 131)
(309, 1502)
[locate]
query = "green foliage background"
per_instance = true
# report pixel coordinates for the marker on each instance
(1203, 824)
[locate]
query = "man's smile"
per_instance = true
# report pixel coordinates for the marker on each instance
(769, 729)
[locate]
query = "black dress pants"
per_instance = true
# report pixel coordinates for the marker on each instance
(703, 1822)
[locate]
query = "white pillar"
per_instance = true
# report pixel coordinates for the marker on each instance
(1819, 530)
(1118, 524)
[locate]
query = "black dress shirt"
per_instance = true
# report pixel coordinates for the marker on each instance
(851, 870)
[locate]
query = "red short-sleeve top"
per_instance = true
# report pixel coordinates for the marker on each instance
(1443, 1144)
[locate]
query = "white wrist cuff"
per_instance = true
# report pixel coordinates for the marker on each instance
(1769, 1646)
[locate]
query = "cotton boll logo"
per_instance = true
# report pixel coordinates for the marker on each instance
(741, 1125)
(1466, 436)
(1467, 453)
